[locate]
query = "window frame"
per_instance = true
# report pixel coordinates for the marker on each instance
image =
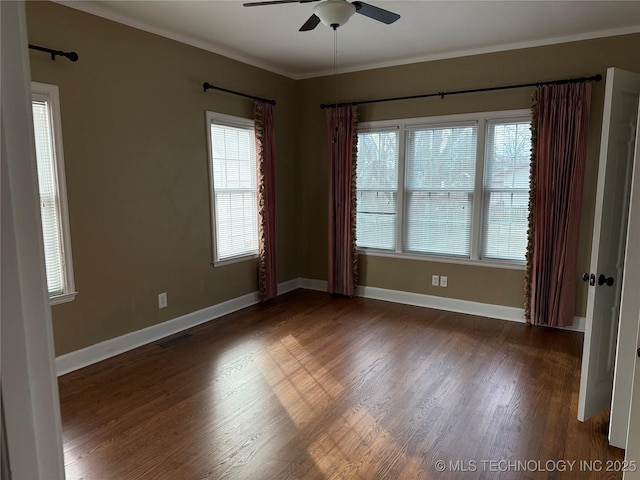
(215, 118)
(50, 94)
(481, 120)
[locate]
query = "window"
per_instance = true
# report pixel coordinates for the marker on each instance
(232, 154)
(53, 200)
(439, 189)
(506, 190)
(377, 184)
(454, 187)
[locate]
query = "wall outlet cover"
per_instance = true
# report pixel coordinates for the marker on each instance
(162, 300)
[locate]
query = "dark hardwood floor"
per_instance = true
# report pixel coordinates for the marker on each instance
(317, 387)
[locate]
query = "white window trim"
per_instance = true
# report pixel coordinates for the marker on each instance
(51, 93)
(231, 121)
(404, 125)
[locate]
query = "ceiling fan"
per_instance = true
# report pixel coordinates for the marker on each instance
(335, 13)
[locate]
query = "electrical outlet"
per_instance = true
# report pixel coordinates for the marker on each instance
(443, 281)
(435, 280)
(162, 300)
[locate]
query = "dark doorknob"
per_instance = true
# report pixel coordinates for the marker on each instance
(591, 278)
(639, 352)
(602, 280)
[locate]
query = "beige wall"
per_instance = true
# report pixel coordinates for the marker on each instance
(133, 121)
(466, 282)
(136, 159)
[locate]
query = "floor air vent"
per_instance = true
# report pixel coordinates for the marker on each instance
(171, 341)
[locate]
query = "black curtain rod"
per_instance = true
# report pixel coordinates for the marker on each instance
(595, 78)
(73, 56)
(206, 86)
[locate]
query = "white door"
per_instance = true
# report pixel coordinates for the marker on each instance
(629, 310)
(622, 92)
(628, 358)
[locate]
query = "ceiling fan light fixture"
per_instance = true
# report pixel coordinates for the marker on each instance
(334, 13)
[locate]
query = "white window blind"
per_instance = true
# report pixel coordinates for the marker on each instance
(53, 199)
(234, 182)
(377, 183)
(439, 186)
(506, 189)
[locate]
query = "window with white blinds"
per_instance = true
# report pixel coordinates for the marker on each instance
(377, 184)
(506, 189)
(440, 175)
(454, 187)
(234, 187)
(51, 184)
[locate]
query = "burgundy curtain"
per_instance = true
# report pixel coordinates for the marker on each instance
(560, 122)
(265, 153)
(342, 129)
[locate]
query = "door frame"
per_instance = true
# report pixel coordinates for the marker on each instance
(29, 386)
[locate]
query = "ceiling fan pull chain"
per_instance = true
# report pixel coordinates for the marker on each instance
(335, 65)
(335, 81)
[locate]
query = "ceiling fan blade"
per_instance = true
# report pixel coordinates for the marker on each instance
(380, 14)
(275, 2)
(310, 24)
(270, 2)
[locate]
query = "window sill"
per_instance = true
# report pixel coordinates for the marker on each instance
(441, 259)
(229, 261)
(64, 298)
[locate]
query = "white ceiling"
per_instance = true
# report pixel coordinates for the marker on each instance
(268, 36)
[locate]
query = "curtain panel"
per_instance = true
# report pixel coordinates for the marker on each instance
(560, 119)
(342, 129)
(265, 157)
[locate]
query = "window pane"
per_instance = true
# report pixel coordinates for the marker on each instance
(235, 190)
(233, 156)
(441, 158)
(506, 196)
(376, 181)
(506, 225)
(508, 155)
(438, 223)
(440, 175)
(237, 224)
(377, 165)
(49, 201)
(376, 219)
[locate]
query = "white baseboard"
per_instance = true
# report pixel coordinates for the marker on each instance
(500, 312)
(72, 361)
(101, 351)
(288, 286)
(579, 325)
(84, 357)
(443, 303)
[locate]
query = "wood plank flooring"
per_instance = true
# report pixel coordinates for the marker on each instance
(318, 387)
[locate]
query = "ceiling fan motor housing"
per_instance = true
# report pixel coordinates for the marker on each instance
(334, 13)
